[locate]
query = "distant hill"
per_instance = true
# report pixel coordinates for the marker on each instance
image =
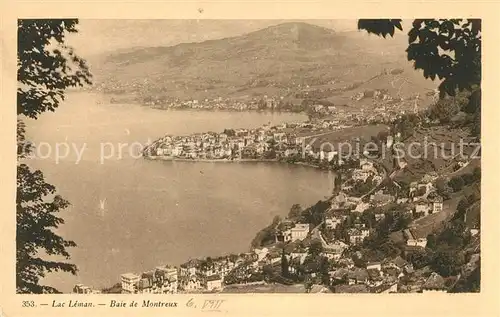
(279, 60)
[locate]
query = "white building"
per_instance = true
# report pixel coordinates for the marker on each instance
(422, 208)
(362, 206)
(177, 151)
(214, 282)
(413, 240)
(261, 253)
(374, 265)
(332, 222)
(327, 155)
(299, 232)
(192, 284)
(361, 174)
(437, 204)
(366, 165)
(434, 284)
(429, 206)
(129, 282)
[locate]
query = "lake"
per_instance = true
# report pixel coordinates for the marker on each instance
(129, 214)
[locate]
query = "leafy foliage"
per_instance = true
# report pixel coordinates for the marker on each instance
(448, 49)
(406, 125)
(458, 182)
(443, 189)
(35, 221)
(24, 147)
(445, 253)
(447, 261)
(267, 235)
(44, 73)
(45, 68)
(315, 214)
(295, 211)
(284, 265)
(115, 289)
(445, 108)
(361, 188)
(470, 284)
(315, 248)
(381, 27)
(431, 241)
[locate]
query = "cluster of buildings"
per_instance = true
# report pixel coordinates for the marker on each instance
(271, 142)
(394, 275)
(388, 276)
(161, 280)
(383, 111)
(292, 237)
(365, 170)
(377, 94)
(293, 240)
(194, 276)
(420, 201)
(211, 104)
(207, 275)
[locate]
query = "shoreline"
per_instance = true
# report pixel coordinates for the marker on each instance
(132, 101)
(173, 159)
(226, 110)
(235, 287)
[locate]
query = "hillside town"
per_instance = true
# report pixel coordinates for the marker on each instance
(381, 231)
(325, 248)
(391, 225)
(384, 229)
(369, 105)
(377, 190)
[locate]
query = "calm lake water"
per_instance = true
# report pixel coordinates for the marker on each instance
(130, 215)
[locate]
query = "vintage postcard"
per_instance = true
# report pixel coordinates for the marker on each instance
(191, 159)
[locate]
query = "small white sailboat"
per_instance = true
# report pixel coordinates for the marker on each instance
(102, 206)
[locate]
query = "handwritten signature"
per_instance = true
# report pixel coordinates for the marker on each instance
(208, 304)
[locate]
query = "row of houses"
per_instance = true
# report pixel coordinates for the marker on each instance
(161, 280)
(285, 140)
(389, 276)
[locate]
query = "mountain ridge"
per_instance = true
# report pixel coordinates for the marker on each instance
(285, 57)
(296, 27)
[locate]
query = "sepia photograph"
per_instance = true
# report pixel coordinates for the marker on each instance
(216, 156)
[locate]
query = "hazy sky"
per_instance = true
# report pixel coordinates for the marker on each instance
(98, 36)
